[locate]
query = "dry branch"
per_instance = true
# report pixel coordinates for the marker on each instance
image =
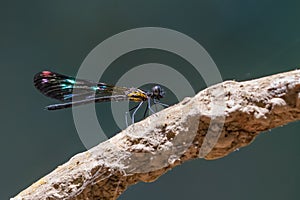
(146, 150)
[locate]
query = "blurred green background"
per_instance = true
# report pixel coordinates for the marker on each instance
(246, 39)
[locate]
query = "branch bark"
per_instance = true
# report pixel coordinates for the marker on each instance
(214, 123)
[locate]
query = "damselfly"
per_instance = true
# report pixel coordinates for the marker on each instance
(75, 92)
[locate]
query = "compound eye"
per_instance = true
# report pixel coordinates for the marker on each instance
(156, 90)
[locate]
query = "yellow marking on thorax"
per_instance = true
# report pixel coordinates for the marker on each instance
(137, 96)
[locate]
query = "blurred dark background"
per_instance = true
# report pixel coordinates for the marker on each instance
(246, 39)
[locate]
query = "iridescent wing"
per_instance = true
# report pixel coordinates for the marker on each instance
(61, 87)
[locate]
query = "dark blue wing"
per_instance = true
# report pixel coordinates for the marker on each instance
(61, 87)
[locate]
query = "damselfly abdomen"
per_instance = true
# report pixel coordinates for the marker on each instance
(75, 92)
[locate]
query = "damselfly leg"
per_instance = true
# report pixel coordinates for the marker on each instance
(133, 114)
(160, 103)
(148, 107)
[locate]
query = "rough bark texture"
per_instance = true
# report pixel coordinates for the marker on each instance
(214, 123)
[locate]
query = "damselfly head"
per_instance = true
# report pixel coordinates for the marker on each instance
(157, 92)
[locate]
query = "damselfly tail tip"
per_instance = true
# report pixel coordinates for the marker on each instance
(51, 107)
(47, 108)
